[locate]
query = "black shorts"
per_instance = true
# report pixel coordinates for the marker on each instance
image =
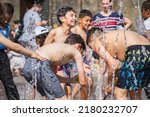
(135, 70)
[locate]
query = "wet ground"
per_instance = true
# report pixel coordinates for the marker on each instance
(25, 92)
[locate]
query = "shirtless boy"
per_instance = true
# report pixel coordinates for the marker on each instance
(56, 54)
(67, 19)
(132, 50)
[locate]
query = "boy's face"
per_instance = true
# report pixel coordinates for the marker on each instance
(39, 8)
(69, 18)
(145, 14)
(86, 22)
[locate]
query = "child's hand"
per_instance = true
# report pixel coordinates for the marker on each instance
(108, 89)
(44, 22)
(35, 55)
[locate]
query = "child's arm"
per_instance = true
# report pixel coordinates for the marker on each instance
(111, 62)
(18, 48)
(128, 23)
(50, 37)
(81, 74)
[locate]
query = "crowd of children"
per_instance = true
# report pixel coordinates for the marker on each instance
(61, 66)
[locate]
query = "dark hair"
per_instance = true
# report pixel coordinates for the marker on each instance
(146, 5)
(62, 12)
(74, 39)
(41, 38)
(84, 13)
(16, 22)
(20, 30)
(8, 8)
(91, 32)
(40, 2)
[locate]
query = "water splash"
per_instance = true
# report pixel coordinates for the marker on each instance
(121, 4)
(140, 25)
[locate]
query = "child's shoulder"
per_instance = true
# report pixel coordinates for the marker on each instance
(75, 29)
(55, 30)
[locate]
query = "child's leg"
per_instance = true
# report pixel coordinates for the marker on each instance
(120, 94)
(90, 84)
(135, 95)
(69, 92)
(75, 90)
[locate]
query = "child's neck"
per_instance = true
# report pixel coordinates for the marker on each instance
(81, 27)
(66, 29)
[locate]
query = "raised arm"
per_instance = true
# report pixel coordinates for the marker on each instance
(50, 37)
(18, 48)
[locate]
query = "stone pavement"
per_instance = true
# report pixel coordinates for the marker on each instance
(24, 91)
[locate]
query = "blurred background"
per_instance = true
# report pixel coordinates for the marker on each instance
(130, 8)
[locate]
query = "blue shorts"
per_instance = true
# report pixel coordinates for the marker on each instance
(46, 81)
(135, 70)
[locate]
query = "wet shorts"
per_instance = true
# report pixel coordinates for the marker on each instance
(40, 73)
(135, 69)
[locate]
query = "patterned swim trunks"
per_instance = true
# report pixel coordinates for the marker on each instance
(135, 69)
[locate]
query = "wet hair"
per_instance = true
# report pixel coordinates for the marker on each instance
(74, 39)
(91, 32)
(41, 38)
(40, 2)
(84, 13)
(62, 12)
(146, 5)
(8, 8)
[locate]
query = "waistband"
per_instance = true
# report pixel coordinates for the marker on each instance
(135, 47)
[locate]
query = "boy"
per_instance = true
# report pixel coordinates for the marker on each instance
(67, 19)
(85, 23)
(41, 34)
(55, 54)
(134, 54)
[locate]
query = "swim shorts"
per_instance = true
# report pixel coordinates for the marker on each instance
(40, 73)
(135, 69)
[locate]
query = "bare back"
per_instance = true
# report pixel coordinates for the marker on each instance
(118, 41)
(58, 54)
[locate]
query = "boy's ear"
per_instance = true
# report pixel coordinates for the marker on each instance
(79, 20)
(61, 19)
(148, 12)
